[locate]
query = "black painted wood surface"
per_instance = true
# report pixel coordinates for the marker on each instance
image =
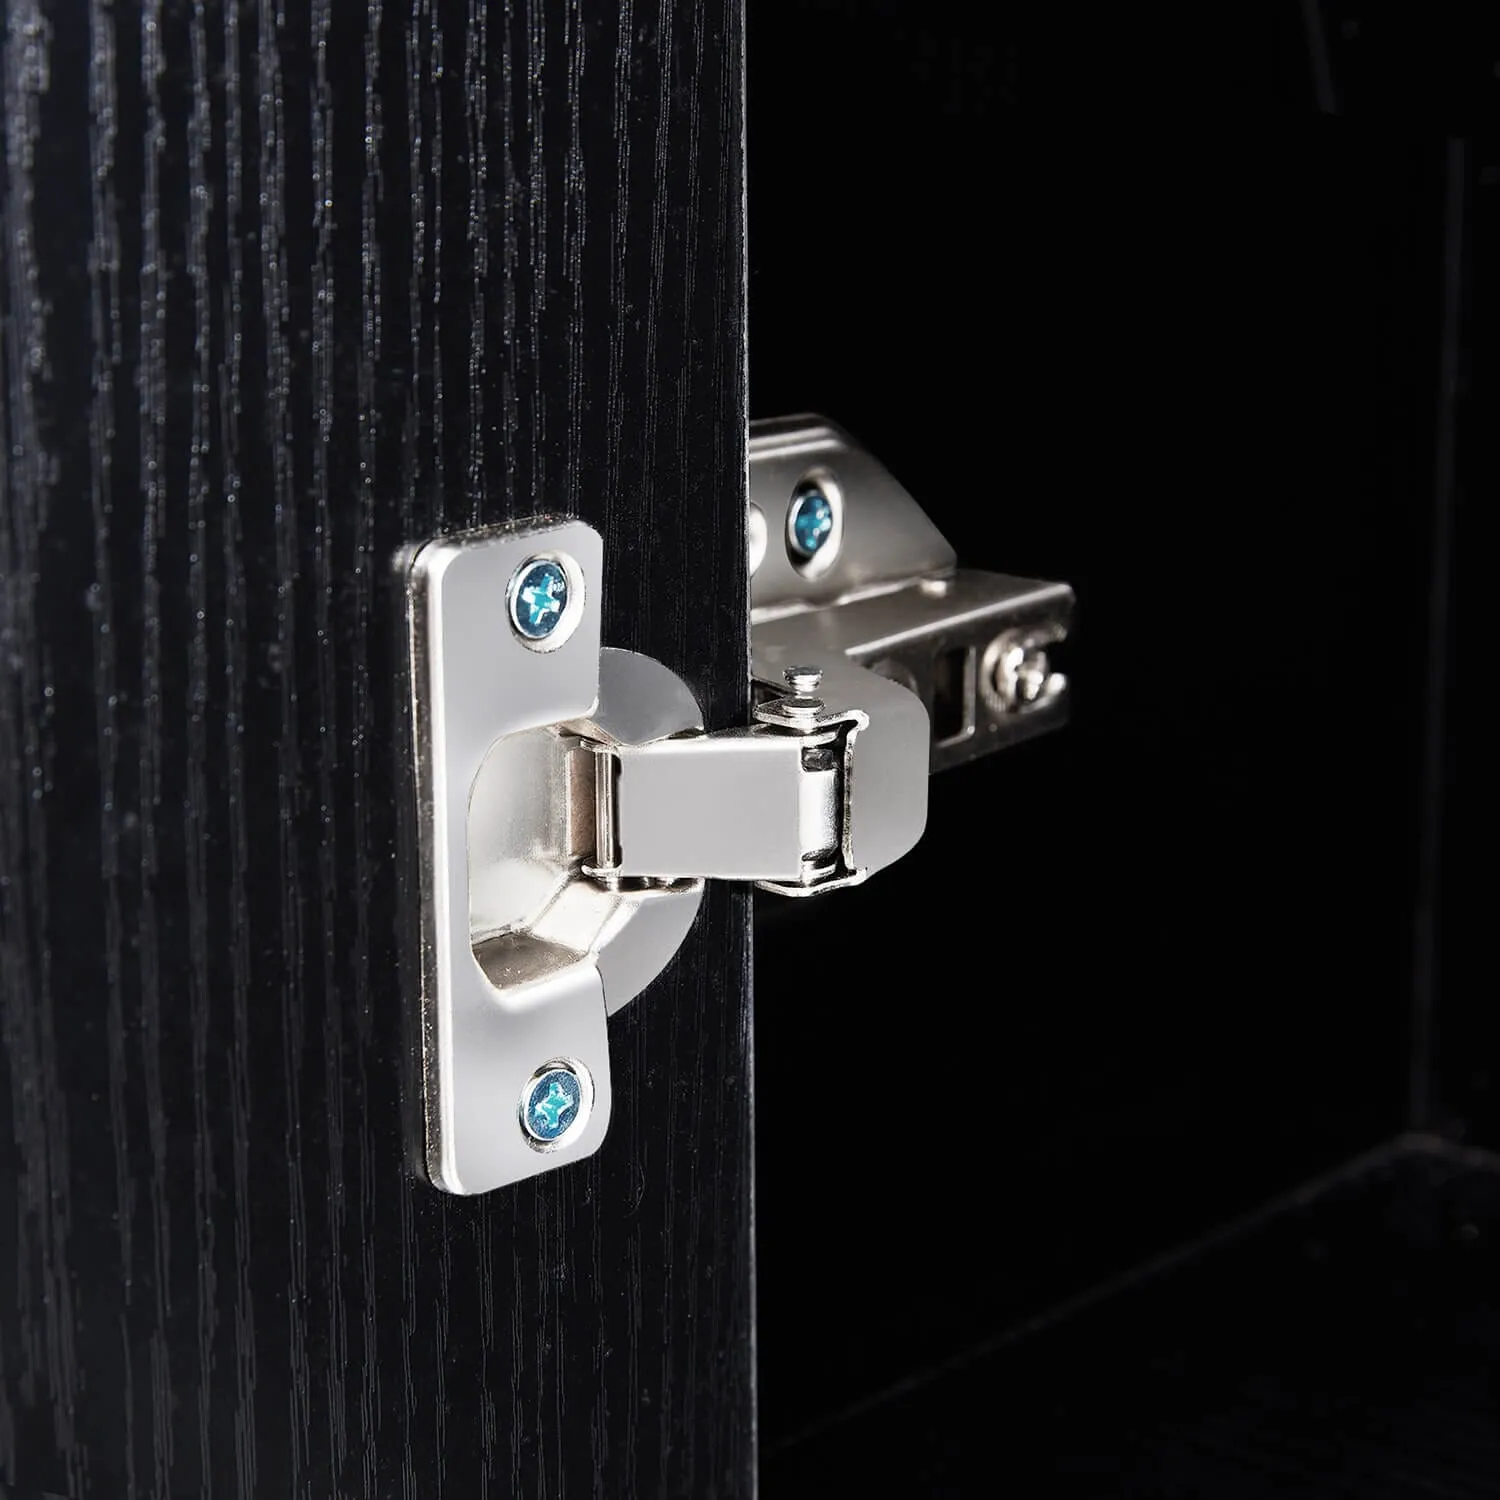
(284, 288)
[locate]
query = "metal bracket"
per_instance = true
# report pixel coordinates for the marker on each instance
(890, 598)
(570, 804)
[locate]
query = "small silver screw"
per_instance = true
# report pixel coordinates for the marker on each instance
(800, 710)
(803, 681)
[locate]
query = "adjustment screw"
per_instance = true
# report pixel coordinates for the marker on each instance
(552, 1103)
(1022, 673)
(538, 598)
(803, 681)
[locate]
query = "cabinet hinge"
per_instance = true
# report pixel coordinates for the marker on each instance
(570, 803)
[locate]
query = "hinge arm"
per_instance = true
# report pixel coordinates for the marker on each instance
(828, 785)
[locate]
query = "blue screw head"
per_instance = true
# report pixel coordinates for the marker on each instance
(538, 598)
(810, 522)
(552, 1104)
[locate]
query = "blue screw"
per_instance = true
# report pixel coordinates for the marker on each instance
(811, 521)
(551, 1104)
(538, 597)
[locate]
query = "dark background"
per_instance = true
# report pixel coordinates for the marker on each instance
(1187, 310)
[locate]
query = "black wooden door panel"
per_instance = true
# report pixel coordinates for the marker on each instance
(286, 289)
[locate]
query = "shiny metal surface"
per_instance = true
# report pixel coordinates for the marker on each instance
(901, 634)
(821, 792)
(970, 646)
(885, 784)
(882, 533)
(487, 1029)
(1016, 672)
(736, 806)
(802, 680)
(521, 959)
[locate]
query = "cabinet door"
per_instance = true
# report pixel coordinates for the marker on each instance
(287, 289)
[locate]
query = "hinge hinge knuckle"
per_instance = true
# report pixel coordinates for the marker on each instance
(767, 802)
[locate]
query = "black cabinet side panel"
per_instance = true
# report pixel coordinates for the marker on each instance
(1457, 1078)
(1169, 333)
(284, 288)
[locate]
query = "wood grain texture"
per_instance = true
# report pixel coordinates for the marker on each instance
(283, 289)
